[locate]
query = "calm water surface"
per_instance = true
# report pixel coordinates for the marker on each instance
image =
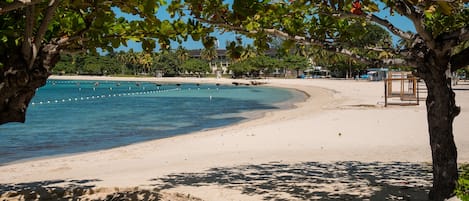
(76, 116)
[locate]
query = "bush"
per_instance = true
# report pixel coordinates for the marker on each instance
(462, 189)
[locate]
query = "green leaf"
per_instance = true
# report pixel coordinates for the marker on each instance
(150, 7)
(445, 8)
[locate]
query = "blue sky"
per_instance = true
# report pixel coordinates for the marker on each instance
(399, 21)
(223, 38)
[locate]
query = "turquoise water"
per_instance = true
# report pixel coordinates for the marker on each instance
(77, 116)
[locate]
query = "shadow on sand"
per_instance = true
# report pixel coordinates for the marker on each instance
(47, 190)
(74, 190)
(272, 181)
(315, 181)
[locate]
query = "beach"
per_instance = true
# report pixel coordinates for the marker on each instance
(341, 127)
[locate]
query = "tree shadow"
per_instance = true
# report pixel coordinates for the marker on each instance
(76, 190)
(48, 190)
(348, 180)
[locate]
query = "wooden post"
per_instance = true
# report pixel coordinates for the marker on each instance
(418, 96)
(402, 88)
(385, 92)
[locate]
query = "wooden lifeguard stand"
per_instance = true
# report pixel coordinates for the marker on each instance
(401, 88)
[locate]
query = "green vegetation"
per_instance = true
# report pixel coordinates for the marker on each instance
(34, 33)
(462, 189)
(196, 67)
(89, 65)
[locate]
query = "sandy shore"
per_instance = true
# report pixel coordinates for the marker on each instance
(343, 121)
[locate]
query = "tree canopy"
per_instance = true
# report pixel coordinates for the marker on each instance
(437, 48)
(35, 32)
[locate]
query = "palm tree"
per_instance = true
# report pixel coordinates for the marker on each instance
(182, 54)
(248, 52)
(209, 54)
(234, 51)
(145, 61)
(130, 59)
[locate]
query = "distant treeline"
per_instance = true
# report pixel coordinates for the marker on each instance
(208, 63)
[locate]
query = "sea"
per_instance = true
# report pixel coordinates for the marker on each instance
(68, 117)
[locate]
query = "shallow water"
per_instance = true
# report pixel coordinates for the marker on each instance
(76, 116)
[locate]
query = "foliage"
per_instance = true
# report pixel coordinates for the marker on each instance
(242, 69)
(169, 64)
(255, 66)
(462, 189)
(209, 53)
(234, 50)
(89, 65)
(266, 64)
(296, 62)
(195, 66)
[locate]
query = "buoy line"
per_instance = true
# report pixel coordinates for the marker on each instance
(103, 96)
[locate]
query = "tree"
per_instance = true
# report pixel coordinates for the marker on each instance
(209, 54)
(182, 53)
(234, 50)
(265, 64)
(242, 68)
(35, 32)
(295, 62)
(196, 66)
(248, 52)
(169, 64)
(434, 49)
(145, 62)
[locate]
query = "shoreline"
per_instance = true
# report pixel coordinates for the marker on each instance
(299, 96)
(342, 120)
(186, 137)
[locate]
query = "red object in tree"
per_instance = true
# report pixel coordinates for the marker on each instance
(356, 8)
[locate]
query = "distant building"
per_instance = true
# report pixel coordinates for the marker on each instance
(220, 63)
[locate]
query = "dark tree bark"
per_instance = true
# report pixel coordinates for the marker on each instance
(18, 82)
(441, 111)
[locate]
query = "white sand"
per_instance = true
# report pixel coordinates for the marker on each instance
(341, 121)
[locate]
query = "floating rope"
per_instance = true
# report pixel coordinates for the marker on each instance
(103, 96)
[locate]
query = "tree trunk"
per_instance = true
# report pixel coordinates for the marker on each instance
(18, 83)
(441, 111)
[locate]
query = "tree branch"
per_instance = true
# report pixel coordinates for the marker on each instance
(385, 23)
(28, 39)
(49, 14)
(460, 60)
(7, 7)
(408, 10)
(300, 39)
(453, 39)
